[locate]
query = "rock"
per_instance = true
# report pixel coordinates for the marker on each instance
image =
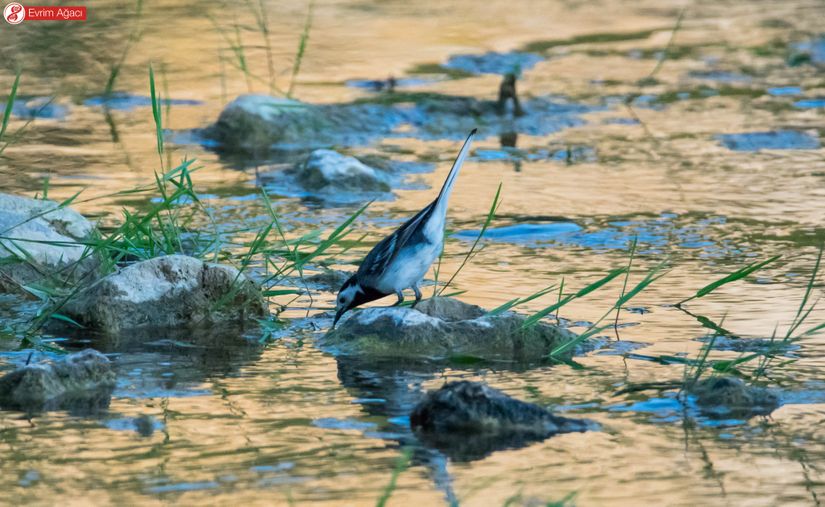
(442, 327)
(42, 238)
(260, 122)
(83, 379)
(329, 279)
(470, 419)
(327, 171)
(731, 397)
(333, 178)
(164, 292)
(257, 121)
(144, 425)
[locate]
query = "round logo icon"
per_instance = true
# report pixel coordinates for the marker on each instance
(14, 13)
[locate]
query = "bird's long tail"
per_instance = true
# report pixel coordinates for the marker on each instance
(444, 195)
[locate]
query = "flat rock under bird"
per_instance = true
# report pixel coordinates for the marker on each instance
(401, 260)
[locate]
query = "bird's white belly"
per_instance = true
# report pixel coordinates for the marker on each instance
(409, 267)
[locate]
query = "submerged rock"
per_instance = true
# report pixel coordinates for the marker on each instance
(329, 279)
(83, 380)
(443, 327)
(329, 175)
(169, 291)
(329, 171)
(39, 238)
(731, 397)
(469, 420)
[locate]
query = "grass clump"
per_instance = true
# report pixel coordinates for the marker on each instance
(241, 59)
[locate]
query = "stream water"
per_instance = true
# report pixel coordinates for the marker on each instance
(715, 163)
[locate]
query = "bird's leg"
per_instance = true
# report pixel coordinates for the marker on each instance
(417, 294)
(400, 295)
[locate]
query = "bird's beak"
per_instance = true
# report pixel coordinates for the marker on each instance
(338, 316)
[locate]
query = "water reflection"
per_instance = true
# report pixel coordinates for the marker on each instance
(717, 165)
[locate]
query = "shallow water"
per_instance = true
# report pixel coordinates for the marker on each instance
(682, 170)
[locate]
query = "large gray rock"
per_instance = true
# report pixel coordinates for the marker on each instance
(727, 396)
(37, 237)
(443, 327)
(253, 123)
(169, 291)
(83, 379)
(469, 420)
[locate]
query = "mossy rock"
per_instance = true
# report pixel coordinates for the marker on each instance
(469, 420)
(731, 397)
(443, 328)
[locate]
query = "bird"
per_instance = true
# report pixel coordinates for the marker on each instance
(401, 260)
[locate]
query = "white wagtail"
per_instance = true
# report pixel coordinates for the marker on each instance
(401, 260)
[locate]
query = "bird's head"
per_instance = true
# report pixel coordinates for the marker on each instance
(347, 298)
(353, 294)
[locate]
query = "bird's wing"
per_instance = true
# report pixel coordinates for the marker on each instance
(381, 256)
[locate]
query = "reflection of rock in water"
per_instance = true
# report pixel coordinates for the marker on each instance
(176, 361)
(81, 383)
(469, 420)
(506, 93)
(508, 139)
(392, 388)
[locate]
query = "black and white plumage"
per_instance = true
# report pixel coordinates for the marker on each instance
(401, 260)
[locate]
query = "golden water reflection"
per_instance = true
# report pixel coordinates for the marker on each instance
(291, 424)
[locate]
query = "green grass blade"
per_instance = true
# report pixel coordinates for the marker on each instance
(736, 275)
(626, 278)
(569, 345)
(400, 465)
(520, 301)
(601, 282)
(156, 112)
(799, 318)
(535, 318)
(61, 317)
(487, 221)
(9, 104)
(651, 277)
(302, 46)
